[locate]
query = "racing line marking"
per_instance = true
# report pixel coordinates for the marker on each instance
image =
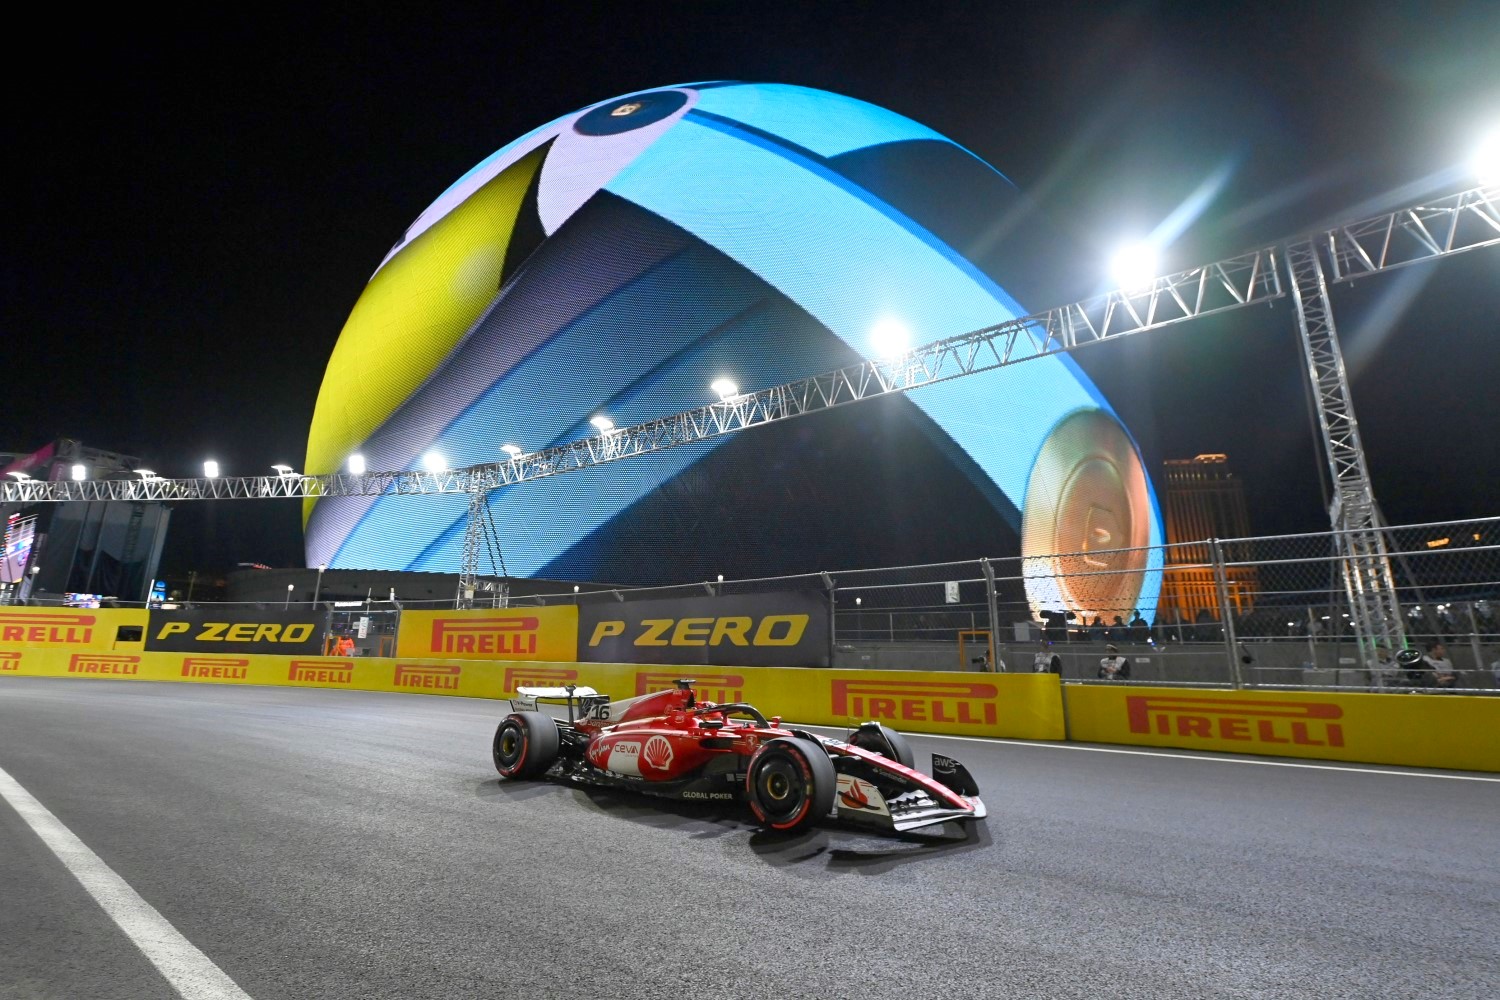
(190, 972)
(1181, 756)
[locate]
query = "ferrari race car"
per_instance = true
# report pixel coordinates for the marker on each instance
(670, 744)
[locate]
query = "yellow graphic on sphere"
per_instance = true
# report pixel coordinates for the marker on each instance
(411, 316)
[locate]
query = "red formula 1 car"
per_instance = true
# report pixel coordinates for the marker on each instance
(670, 744)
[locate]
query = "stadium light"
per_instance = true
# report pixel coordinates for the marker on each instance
(211, 469)
(19, 477)
(434, 462)
(1484, 162)
(144, 473)
(357, 464)
(726, 389)
(1134, 265)
(513, 450)
(890, 337)
(284, 470)
(288, 596)
(603, 423)
(80, 473)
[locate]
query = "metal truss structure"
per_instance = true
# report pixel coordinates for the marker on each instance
(1433, 229)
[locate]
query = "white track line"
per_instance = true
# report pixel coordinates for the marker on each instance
(192, 974)
(1182, 756)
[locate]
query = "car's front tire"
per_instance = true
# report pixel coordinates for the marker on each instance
(790, 784)
(526, 744)
(884, 740)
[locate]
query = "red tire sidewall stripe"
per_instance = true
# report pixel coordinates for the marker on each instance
(525, 747)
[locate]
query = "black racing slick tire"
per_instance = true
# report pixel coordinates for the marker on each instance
(526, 744)
(790, 784)
(885, 741)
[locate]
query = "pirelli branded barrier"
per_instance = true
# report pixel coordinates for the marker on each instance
(1025, 706)
(71, 628)
(785, 629)
(249, 631)
(1416, 730)
(491, 634)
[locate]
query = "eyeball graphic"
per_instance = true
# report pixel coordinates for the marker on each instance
(616, 261)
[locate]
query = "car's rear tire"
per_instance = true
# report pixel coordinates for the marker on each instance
(790, 784)
(526, 744)
(884, 740)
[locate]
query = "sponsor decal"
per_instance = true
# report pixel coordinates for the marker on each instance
(425, 678)
(104, 663)
(514, 636)
(714, 796)
(62, 629)
(624, 757)
(859, 795)
(322, 671)
(658, 753)
(10, 661)
(718, 688)
(967, 703)
(296, 634)
(733, 630)
(519, 677)
(218, 668)
(1298, 723)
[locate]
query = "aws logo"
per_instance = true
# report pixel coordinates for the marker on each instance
(729, 630)
(238, 632)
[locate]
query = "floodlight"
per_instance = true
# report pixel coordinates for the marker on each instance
(513, 450)
(144, 473)
(1484, 162)
(80, 473)
(283, 470)
(19, 477)
(1134, 265)
(604, 424)
(434, 461)
(357, 464)
(211, 469)
(725, 388)
(890, 337)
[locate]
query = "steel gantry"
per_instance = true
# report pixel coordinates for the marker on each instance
(1432, 229)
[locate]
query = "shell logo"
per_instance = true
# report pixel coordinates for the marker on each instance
(658, 753)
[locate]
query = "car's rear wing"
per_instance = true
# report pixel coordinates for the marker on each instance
(580, 701)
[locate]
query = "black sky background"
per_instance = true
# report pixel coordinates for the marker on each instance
(197, 202)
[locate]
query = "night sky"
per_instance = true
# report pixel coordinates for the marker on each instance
(196, 205)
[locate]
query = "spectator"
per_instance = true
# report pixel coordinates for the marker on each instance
(1096, 628)
(1443, 673)
(1203, 626)
(1139, 630)
(1114, 667)
(1495, 669)
(1044, 661)
(987, 666)
(1117, 631)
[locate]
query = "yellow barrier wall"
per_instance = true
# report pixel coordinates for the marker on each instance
(1025, 706)
(1417, 730)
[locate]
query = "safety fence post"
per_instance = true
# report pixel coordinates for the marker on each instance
(1221, 586)
(993, 604)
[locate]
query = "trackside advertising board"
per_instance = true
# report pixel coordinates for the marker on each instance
(786, 629)
(490, 634)
(66, 628)
(1413, 729)
(247, 631)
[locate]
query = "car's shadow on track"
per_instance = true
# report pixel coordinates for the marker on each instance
(843, 848)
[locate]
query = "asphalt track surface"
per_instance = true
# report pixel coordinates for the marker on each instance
(320, 843)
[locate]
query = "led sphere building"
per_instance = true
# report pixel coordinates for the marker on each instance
(617, 261)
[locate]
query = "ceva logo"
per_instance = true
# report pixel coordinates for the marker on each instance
(719, 688)
(1303, 723)
(416, 675)
(217, 668)
(104, 663)
(10, 661)
(515, 636)
(519, 677)
(322, 671)
(67, 629)
(967, 703)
